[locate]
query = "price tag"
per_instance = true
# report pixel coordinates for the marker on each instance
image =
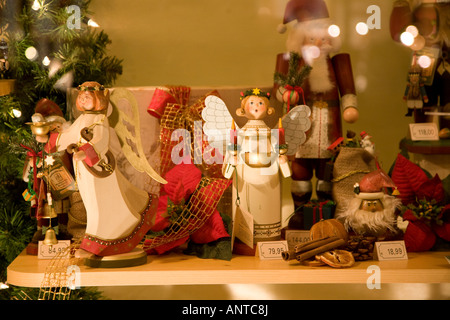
(271, 250)
(390, 250)
(294, 237)
(243, 226)
(49, 252)
(424, 131)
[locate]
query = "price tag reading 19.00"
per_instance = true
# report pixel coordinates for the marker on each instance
(271, 250)
(391, 250)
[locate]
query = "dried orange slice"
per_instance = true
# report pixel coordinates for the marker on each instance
(313, 263)
(337, 258)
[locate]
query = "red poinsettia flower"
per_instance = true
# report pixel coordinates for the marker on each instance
(181, 183)
(431, 189)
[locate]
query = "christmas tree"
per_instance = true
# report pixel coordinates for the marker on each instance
(46, 47)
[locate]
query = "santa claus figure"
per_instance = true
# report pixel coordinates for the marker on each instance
(328, 90)
(371, 212)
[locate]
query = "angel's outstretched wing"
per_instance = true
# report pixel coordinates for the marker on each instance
(218, 121)
(295, 124)
(119, 121)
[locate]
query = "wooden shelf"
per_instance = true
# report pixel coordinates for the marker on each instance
(179, 269)
(426, 147)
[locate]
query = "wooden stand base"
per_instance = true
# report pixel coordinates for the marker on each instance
(241, 248)
(32, 249)
(136, 257)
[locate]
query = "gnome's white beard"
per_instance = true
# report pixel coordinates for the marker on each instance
(370, 223)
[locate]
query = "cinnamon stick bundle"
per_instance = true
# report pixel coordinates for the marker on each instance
(311, 248)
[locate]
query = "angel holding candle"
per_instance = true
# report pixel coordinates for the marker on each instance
(254, 159)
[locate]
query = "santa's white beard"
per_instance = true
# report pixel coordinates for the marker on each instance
(319, 76)
(369, 223)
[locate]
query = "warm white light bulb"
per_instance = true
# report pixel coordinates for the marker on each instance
(334, 31)
(424, 61)
(413, 30)
(362, 28)
(31, 53)
(46, 61)
(92, 23)
(36, 6)
(17, 113)
(407, 38)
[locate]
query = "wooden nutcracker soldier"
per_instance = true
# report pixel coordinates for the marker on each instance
(415, 94)
(51, 176)
(328, 88)
(431, 18)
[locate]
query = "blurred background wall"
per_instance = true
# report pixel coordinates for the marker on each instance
(234, 43)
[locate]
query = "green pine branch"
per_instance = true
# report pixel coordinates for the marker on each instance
(81, 53)
(294, 76)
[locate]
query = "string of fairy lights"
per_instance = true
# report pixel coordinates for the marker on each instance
(32, 54)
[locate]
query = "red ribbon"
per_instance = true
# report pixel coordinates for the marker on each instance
(293, 89)
(34, 155)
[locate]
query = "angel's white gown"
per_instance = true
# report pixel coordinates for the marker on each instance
(116, 210)
(257, 181)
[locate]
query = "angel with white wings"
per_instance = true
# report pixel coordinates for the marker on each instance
(254, 159)
(118, 213)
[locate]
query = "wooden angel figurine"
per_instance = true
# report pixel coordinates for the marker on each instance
(255, 160)
(118, 213)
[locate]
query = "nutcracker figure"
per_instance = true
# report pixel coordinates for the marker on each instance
(49, 175)
(430, 21)
(415, 94)
(328, 88)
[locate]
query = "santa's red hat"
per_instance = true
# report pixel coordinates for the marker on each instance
(372, 184)
(49, 110)
(303, 10)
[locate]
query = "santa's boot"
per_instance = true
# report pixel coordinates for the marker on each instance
(301, 193)
(323, 190)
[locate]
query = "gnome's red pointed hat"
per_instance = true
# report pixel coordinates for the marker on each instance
(372, 184)
(50, 110)
(303, 10)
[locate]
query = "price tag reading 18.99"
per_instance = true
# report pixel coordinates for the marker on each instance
(271, 250)
(391, 250)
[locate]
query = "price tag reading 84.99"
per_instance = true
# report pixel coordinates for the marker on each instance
(50, 251)
(390, 250)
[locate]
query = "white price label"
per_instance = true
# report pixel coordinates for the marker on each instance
(294, 237)
(271, 250)
(49, 252)
(391, 250)
(424, 131)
